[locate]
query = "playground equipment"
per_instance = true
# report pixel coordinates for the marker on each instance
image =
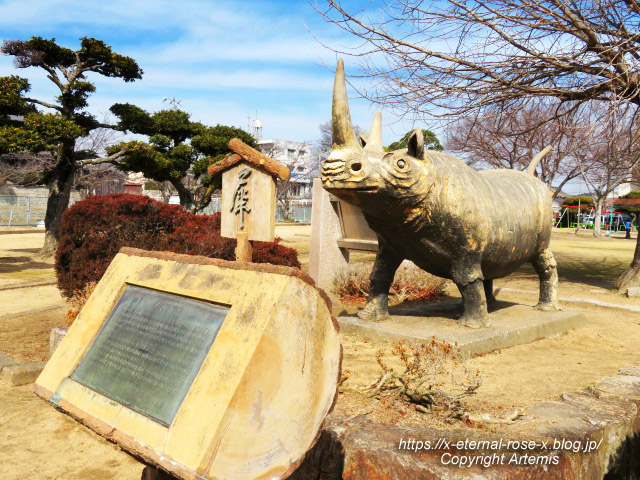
(611, 220)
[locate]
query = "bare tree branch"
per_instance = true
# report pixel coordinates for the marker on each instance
(449, 57)
(44, 104)
(610, 152)
(512, 138)
(109, 159)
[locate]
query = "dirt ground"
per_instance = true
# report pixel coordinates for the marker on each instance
(37, 442)
(19, 263)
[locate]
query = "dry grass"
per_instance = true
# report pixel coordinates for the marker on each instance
(410, 283)
(77, 301)
(432, 374)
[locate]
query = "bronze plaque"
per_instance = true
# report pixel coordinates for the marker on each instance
(149, 350)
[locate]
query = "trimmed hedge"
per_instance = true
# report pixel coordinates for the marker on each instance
(94, 230)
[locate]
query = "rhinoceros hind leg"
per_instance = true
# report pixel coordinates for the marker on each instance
(467, 275)
(488, 292)
(546, 268)
(376, 309)
(384, 269)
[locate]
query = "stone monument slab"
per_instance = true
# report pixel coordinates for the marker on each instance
(203, 368)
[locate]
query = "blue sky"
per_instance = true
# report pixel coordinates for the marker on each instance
(223, 60)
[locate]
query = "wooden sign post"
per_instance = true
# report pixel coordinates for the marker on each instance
(248, 195)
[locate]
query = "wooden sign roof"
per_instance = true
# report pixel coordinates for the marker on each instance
(243, 152)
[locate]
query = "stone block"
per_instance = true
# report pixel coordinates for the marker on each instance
(511, 325)
(201, 367)
(55, 337)
(606, 429)
(16, 375)
(6, 361)
(633, 292)
(326, 258)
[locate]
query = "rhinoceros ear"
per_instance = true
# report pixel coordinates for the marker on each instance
(363, 138)
(415, 145)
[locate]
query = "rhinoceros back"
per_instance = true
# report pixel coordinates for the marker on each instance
(520, 215)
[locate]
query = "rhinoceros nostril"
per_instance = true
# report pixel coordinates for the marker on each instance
(356, 167)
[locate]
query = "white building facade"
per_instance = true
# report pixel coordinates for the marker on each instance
(299, 158)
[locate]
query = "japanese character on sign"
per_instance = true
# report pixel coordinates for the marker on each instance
(241, 196)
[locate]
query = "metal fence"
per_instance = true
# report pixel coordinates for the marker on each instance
(213, 207)
(297, 213)
(22, 211)
(300, 211)
(30, 211)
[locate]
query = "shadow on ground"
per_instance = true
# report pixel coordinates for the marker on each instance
(446, 308)
(587, 271)
(18, 264)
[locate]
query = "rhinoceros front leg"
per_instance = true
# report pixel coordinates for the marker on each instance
(384, 269)
(547, 269)
(467, 276)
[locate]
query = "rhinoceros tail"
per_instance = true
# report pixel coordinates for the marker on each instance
(531, 169)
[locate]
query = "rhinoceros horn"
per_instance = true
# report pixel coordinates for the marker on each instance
(341, 128)
(374, 139)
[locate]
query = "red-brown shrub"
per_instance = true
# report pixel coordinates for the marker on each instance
(94, 230)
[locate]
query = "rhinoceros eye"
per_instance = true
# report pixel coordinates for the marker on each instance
(401, 164)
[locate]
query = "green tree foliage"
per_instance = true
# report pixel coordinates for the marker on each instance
(12, 102)
(584, 201)
(178, 150)
(23, 128)
(431, 142)
(630, 208)
(633, 194)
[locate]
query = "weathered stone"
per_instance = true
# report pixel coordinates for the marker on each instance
(447, 218)
(510, 325)
(200, 367)
(326, 258)
(632, 371)
(633, 292)
(16, 375)
(55, 337)
(606, 415)
(6, 361)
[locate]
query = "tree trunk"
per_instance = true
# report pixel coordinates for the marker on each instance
(284, 203)
(204, 201)
(186, 197)
(597, 221)
(59, 193)
(631, 276)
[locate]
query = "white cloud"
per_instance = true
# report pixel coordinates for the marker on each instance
(223, 60)
(258, 79)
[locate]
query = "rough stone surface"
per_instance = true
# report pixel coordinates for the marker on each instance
(6, 361)
(261, 392)
(55, 337)
(16, 375)
(199, 260)
(607, 415)
(511, 325)
(326, 259)
(633, 292)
